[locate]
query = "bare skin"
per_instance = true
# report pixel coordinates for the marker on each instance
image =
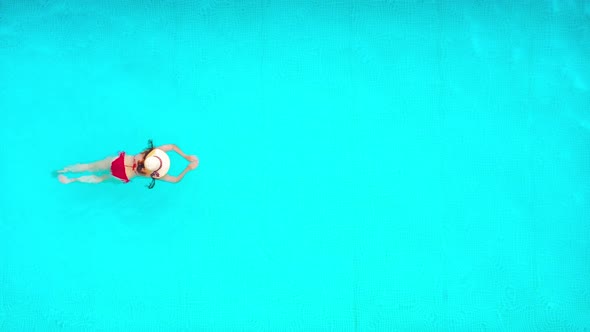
(105, 166)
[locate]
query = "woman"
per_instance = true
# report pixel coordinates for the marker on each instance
(153, 163)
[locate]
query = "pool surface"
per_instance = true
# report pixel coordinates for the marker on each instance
(364, 165)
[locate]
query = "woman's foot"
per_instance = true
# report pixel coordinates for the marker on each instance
(63, 179)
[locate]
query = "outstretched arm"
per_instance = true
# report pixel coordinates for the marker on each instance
(174, 147)
(175, 179)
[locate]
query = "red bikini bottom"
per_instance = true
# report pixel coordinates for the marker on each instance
(118, 168)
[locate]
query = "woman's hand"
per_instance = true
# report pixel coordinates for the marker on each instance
(193, 164)
(193, 158)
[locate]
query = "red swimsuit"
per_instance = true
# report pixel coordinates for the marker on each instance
(118, 168)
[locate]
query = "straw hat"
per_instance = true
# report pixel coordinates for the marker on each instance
(157, 162)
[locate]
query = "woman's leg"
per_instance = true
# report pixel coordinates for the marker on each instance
(85, 179)
(101, 165)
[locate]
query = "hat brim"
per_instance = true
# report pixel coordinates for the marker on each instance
(165, 161)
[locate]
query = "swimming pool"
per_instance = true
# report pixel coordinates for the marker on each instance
(365, 166)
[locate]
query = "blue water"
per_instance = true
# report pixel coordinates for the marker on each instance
(364, 165)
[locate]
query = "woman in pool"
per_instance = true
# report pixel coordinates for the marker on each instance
(153, 163)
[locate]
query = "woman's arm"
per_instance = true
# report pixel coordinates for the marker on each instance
(175, 179)
(174, 147)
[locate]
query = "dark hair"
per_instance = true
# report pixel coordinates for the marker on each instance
(141, 166)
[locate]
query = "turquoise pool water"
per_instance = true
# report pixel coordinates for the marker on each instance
(365, 166)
